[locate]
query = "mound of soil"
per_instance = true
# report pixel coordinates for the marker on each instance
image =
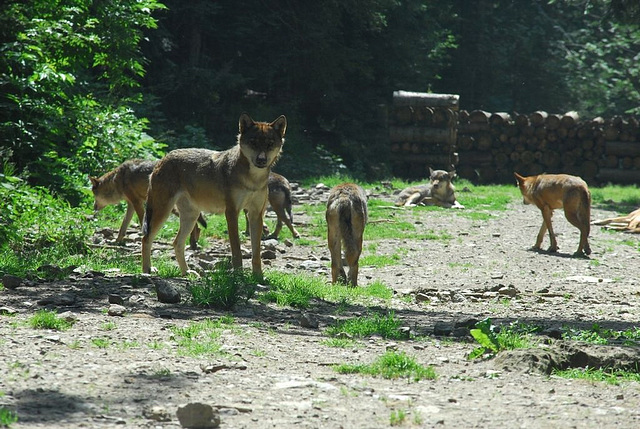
(120, 364)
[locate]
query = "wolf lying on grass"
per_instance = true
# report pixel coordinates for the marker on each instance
(130, 181)
(346, 218)
(553, 191)
(438, 192)
(228, 182)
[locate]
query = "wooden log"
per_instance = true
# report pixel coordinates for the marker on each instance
(485, 141)
(611, 161)
(418, 134)
(475, 158)
(622, 148)
(479, 117)
(427, 160)
(611, 133)
(538, 118)
(466, 142)
(589, 170)
(521, 121)
(616, 175)
(404, 115)
(569, 119)
(409, 98)
(501, 160)
(472, 128)
(500, 119)
(553, 121)
(527, 157)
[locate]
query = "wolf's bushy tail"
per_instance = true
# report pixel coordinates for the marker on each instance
(346, 212)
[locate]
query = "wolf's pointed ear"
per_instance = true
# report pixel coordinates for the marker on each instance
(94, 180)
(452, 174)
(519, 178)
(430, 171)
(245, 122)
(280, 125)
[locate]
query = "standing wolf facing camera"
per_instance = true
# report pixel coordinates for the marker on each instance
(438, 192)
(228, 182)
(346, 218)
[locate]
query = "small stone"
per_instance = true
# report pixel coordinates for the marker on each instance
(308, 321)
(11, 282)
(116, 310)
(197, 415)
(268, 254)
(166, 292)
(157, 413)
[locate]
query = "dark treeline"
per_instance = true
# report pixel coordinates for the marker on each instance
(88, 83)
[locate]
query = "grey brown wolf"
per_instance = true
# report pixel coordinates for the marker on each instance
(228, 182)
(280, 202)
(130, 181)
(346, 218)
(438, 192)
(553, 191)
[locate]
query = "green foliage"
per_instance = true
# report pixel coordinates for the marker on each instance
(201, 338)
(46, 319)
(608, 376)
(7, 417)
(297, 290)
(492, 340)
(391, 365)
(599, 335)
(68, 69)
(223, 287)
(385, 326)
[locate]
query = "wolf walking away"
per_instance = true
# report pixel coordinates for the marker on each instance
(228, 182)
(280, 202)
(346, 218)
(553, 191)
(438, 192)
(130, 181)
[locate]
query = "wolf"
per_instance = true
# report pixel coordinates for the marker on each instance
(130, 181)
(280, 201)
(228, 182)
(553, 191)
(346, 219)
(438, 192)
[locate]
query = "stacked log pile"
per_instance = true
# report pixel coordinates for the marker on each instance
(492, 146)
(423, 133)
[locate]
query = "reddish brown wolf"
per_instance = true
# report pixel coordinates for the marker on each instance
(553, 191)
(196, 180)
(346, 218)
(438, 192)
(130, 181)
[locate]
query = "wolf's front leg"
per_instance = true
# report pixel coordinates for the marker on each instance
(231, 214)
(255, 229)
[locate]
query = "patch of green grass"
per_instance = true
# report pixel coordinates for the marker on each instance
(126, 345)
(101, 343)
(391, 365)
(360, 327)
(108, 326)
(613, 377)
(47, 319)
(155, 345)
(397, 417)
(378, 261)
(339, 343)
(492, 340)
(622, 199)
(7, 417)
(201, 338)
(297, 290)
(600, 335)
(223, 287)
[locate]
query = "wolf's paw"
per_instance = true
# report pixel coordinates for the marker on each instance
(552, 249)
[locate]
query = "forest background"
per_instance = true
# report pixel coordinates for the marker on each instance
(86, 84)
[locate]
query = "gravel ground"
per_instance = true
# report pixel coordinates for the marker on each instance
(276, 373)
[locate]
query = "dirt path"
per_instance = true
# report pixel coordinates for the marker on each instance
(278, 374)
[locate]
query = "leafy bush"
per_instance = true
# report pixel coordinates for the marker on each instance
(223, 287)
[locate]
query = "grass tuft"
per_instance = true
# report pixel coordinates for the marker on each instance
(46, 319)
(391, 365)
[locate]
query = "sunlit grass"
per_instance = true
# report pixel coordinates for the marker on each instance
(202, 337)
(391, 365)
(603, 375)
(387, 326)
